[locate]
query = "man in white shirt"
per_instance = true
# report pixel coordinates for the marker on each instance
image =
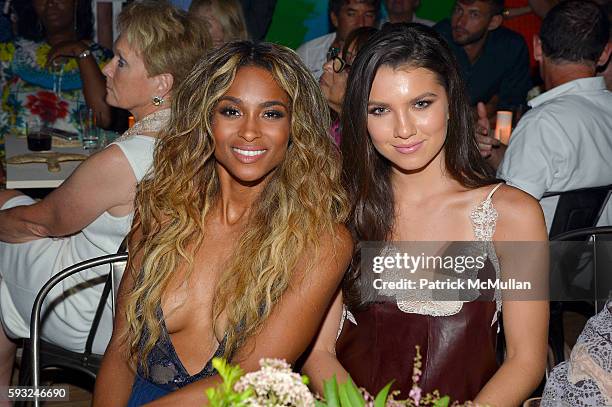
(345, 16)
(565, 141)
(402, 11)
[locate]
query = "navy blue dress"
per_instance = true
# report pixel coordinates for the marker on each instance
(166, 373)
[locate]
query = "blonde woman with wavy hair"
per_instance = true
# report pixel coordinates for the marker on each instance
(225, 19)
(238, 244)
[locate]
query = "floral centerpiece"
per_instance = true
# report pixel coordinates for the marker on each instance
(276, 385)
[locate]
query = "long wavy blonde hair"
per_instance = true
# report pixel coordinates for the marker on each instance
(302, 200)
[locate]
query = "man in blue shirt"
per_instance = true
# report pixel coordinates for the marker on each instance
(494, 60)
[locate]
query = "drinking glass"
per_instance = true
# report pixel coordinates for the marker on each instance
(89, 131)
(37, 139)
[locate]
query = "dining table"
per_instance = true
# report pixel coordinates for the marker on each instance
(40, 174)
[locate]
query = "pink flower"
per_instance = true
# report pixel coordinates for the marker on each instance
(415, 394)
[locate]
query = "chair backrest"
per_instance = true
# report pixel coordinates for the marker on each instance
(112, 259)
(600, 245)
(577, 209)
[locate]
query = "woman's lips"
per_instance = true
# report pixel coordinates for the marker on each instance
(408, 148)
(248, 155)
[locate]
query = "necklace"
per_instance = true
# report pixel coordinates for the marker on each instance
(152, 123)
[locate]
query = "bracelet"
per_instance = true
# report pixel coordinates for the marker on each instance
(84, 54)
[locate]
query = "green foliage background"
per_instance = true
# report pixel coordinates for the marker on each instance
(288, 24)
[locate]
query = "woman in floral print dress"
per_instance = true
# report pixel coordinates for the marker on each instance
(52, 69)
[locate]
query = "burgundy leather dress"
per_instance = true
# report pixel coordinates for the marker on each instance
(458, 351)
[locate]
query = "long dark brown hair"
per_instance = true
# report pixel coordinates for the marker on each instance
(366, 173)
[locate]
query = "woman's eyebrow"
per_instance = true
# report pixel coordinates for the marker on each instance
(374, 102)
(414, 99)
(231, 99)
(424, 95)
(271, 103)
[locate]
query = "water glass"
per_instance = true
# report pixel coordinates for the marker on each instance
(89, 130)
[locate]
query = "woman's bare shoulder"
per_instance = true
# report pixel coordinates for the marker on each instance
(520, 215)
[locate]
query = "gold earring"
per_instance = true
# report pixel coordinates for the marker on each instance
(157, 100)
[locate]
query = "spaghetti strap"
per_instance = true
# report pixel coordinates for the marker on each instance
(484, 217)
(493, 190)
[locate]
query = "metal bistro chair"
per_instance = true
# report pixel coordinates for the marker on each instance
(576, 209)
(40, 354)
(597, 245)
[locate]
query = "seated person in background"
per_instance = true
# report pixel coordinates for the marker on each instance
(91, 212)
(335, 74)
(525, 17)
(403, 11)
(494, 61)
(585, 379)
(238, 244)
(565, 141)
(606, 70)
(52, 68)
(224, 18)
(345, 15)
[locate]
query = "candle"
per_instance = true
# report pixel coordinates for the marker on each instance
(503, 126)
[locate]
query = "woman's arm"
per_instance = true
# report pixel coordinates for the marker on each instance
(542, 7)
(116, 376)
(293, 322)
(521, 243)
(94, 83)
(539, 7)
(102, 182)
(321, 363)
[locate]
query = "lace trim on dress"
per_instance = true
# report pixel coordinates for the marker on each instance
(484, 219)
(152, 123)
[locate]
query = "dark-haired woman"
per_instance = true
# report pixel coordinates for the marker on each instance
(414, 173)
(335, 73)
(52, 69)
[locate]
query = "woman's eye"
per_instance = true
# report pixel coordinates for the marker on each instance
(120, 63)
(377, 111)
(274, 114)
(422, 104)
(229, 111)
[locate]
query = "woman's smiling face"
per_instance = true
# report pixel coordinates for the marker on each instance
(251, 125)
(407, 116)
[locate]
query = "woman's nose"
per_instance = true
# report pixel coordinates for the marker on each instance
(404, 126)
(249, 130)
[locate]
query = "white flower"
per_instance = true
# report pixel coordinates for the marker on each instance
(275, 385)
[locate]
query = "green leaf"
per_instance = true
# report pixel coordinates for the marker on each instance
(355, 397)
(330, 389)
(381, 397)
(345, 400)
(443, 402)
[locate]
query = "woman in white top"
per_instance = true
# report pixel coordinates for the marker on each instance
(92, 210)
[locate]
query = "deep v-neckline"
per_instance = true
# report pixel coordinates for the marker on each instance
(174, 354)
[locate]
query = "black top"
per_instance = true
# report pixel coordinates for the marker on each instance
(502, 69)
